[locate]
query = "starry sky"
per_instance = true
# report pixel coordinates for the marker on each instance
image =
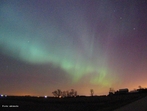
(72, 44)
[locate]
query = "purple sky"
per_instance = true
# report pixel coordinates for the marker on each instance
(72, 44)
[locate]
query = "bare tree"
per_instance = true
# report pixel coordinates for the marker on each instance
(140, 87)
(58, 93)
(55, 94)
(92, 92)
(111, 91)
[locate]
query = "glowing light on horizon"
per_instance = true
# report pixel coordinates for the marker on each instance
(82, 44)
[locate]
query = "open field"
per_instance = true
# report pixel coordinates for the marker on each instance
(95, 103)
(139, 105)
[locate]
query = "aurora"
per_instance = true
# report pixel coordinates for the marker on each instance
(72, 44)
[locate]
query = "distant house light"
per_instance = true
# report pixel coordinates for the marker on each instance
(45, 96)
(2, 95)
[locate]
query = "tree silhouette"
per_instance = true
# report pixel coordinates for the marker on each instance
(92, 92)
(111, 91)
(58, 93)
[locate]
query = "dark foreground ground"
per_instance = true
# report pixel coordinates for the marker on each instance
(96, 103)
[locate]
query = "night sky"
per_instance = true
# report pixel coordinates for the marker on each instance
(72, 44)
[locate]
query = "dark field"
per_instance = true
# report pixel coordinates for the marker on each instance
(96, 103)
